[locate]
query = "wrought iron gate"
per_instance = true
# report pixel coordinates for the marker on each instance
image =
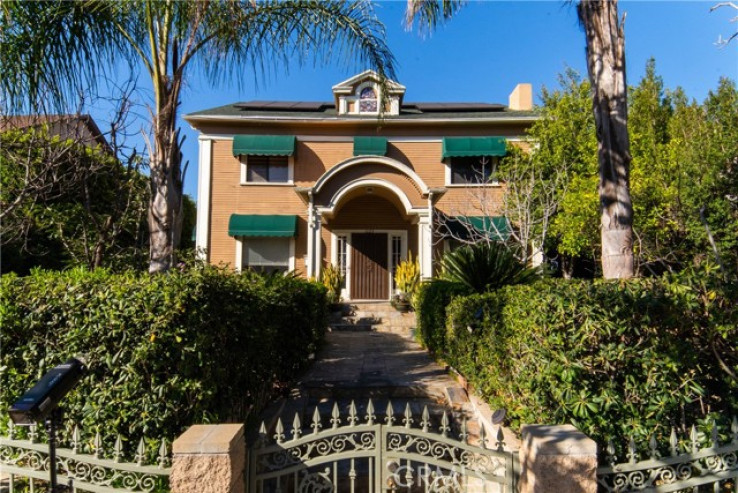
(359, 453)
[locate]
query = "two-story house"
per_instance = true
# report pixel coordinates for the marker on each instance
(293, 185)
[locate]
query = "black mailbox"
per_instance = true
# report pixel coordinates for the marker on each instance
(36, 404)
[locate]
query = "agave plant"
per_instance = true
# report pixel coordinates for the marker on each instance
(485, 267)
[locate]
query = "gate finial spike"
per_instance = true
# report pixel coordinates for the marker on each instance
(611, 458)
(76, 439)
(632, 451)
(163, 459)
(97, 445)
(464, 435)
(425, 421)
(444, 424)
(279, 431)
(352, 418)
(140, 452)
(118, 450)
(482, 436)
(694, 438)
(11, 429)
(316, 426)
(500, 438)
(653, 447)
(335, 416)
(296, 427)
(714, 435)
(263, 438)
(408, 419)
(390, 418)
(673, 443)
(370, 416)
(734, 429)
(33, 433)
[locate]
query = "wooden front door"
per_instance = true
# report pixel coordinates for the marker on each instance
(369, 274)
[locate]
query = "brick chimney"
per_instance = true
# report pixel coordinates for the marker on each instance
(521, 99)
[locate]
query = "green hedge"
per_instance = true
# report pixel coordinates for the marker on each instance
(164, 352)
(432, 298)
(614, 359)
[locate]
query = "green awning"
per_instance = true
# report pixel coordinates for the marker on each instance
(370, 146)
(262, 225)
(473, 146)
(264, 145)
(496, 228)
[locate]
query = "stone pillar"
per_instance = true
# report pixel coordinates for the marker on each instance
(557, 459)
(209, 459)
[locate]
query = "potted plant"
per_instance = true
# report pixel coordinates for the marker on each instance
(333, 280)
(407, 278)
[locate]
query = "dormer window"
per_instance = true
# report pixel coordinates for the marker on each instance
(360, 95)
(368, 100)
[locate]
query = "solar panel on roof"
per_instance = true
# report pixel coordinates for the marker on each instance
(454, 107)
(284, 105)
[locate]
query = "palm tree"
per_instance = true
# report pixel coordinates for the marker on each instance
(606, 67)
(57, 49)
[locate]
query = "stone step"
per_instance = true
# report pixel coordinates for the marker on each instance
(379, 320)
(350, 327)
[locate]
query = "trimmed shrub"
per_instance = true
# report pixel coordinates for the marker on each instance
(164, 352)
(615, 359)
(432, 298)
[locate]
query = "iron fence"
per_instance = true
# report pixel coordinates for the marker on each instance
(694, 464)
(85, 465)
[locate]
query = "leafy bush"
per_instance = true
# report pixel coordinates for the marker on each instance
(485, 267)
(614, 359)
(432, 299)
(164, 352)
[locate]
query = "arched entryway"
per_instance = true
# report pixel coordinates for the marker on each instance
(364, 215)
(370, 235)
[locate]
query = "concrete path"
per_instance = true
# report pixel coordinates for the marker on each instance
(383, 366)
(374, 360)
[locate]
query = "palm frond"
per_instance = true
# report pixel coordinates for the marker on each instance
(430, 13)
(54, 51)
(485, 267)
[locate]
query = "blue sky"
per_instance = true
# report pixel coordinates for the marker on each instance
(489, 47)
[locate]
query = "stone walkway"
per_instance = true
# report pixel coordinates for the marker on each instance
(383, 366)
(377, 360)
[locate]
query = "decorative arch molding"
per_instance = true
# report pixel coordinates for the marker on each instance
(330, 209)
(359, 160)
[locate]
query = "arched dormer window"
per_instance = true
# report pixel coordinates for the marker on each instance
(368, 100)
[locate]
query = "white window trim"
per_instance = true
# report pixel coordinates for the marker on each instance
(349, 250)
(239, 254)
(290, 174)
(355, 98)
(447, 165)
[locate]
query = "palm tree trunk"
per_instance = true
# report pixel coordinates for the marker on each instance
(165, 218)
(606, 66)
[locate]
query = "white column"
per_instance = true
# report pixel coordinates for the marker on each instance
(204, 170)
(318, 247)
(310, 267)
(425, 247)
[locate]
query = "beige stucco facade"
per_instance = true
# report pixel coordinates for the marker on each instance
(337, 196)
